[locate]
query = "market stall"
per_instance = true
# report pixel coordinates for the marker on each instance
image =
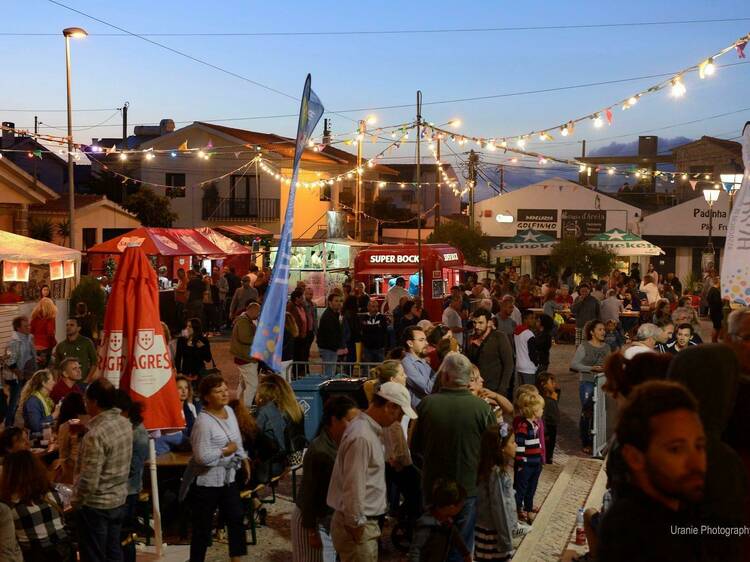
(29, 264)
(442, 266)
(321, 263)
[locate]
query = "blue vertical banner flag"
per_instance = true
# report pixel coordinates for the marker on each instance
(269, 336)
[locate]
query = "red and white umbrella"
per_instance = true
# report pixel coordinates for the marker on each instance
(135, 355)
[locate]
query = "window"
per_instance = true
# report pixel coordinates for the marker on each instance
(243, 195)
(89, 238)
(176, 183)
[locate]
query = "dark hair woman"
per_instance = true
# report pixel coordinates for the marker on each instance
(212, 475)
(193, 350)
(26, 488)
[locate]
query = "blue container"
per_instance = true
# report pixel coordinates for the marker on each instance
(307, 391)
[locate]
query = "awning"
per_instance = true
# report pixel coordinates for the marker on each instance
(381, 271)
(14, 247)
(623, 243)
(172, 242)
(470, 268)
(244, 230)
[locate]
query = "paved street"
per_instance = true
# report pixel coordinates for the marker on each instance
(273, 540)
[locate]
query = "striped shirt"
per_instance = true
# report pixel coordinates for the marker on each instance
(528, 446)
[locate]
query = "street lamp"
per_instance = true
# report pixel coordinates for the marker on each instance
(734, 180)
(76, 33)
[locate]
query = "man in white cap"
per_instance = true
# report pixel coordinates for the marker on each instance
(357, 492)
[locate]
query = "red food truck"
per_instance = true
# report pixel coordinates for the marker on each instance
(442, 265)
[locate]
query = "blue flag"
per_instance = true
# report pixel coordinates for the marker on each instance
(269, 336)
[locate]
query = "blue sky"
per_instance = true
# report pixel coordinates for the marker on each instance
(374, 70)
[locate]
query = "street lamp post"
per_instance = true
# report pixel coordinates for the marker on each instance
(76, 33)
(711, 196)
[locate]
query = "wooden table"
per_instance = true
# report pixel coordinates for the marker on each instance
(173, 459)
(630, 314)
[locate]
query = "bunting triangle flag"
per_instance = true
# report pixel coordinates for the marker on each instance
(693, 183)
(183, 147)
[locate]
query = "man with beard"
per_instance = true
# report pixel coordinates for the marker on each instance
(663, 445)
(420, 377)
(490, 350)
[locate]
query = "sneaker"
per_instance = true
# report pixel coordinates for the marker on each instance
(521, 530)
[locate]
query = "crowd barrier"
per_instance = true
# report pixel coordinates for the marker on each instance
(599, 431)
(295, 370)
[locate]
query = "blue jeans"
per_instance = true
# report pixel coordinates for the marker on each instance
(99, 533)
(329, 358)
(14, 395)
(586, 394)
(527, 478)
(465, 521)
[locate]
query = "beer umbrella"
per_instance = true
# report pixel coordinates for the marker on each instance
(134, 354)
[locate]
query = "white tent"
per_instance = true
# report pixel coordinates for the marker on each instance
(23, 249)
(622, 243)
(527, 243)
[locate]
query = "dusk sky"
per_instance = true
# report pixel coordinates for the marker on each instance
(373, 70)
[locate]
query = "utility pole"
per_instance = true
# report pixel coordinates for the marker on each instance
(125, 125)
(419, 190)
(502, 178)
(438, 185)
(358, 195)
(473, 161)
(36, 125)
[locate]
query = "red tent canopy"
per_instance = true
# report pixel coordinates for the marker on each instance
(173, 242)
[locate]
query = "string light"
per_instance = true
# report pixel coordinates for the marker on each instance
(678, 87)
(123, 156)
(564, 131)
(709, 68)
(598, 121)
(150, 156)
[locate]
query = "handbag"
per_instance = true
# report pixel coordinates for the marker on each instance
(214, 370)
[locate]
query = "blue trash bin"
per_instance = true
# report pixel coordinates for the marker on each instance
(307, 391)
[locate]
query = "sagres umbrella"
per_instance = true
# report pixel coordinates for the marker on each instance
(527, 243)
(134, 354)
(623, 243)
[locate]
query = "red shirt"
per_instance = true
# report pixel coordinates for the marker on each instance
(10, 297)
(43, 330)
(61, 390)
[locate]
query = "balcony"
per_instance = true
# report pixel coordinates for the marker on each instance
(228, 208)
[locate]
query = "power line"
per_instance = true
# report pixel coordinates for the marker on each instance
(394, 31)
(59, 110)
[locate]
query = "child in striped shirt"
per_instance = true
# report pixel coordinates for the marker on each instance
(526, 426)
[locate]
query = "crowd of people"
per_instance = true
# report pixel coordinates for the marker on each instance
(462, 417)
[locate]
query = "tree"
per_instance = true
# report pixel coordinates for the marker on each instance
(90, 291)
(584, 259)
(150, 208)
(41, 229)
(471, 241)
(63, 229)
(108, 184)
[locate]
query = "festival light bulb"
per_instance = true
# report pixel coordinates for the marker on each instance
(521, 142)
(582, 168)
(678, 87)
(150, 156)
(455, 123)
(632, 100)
(123, 156)
(598, 121)
(611, 171)
(564, 130)
(201, 154)
(710, 68)
(371, 119)
(173, 154)
(684, 176)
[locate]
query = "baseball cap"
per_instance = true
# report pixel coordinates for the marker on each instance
(397, 393)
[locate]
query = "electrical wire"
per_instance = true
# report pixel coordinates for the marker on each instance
(401, 31)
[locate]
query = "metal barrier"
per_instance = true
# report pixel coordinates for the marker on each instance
(599, 431)
(298, 369)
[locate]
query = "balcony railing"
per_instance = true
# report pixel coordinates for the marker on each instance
(228, 208)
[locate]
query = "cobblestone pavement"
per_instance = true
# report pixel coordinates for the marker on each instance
(274, 539)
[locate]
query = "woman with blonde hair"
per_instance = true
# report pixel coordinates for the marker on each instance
(281, 428)
(36, 405)
(42, 327)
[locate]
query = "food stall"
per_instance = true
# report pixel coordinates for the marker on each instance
(442, 265)
(321, 263)
(30, 264)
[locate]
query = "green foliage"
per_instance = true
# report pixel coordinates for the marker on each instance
(584, 259)
(151, 209)
(63, 229)
(41, 229)
(89, 291)
(471, 241)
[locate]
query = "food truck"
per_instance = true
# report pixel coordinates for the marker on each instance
(379, 266)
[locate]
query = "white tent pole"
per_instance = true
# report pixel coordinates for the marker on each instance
(155, 497)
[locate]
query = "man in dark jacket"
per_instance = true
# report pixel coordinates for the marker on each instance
(374, 328)
(711, 373)
(330, 334)
(490, 350)
(585, 308)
